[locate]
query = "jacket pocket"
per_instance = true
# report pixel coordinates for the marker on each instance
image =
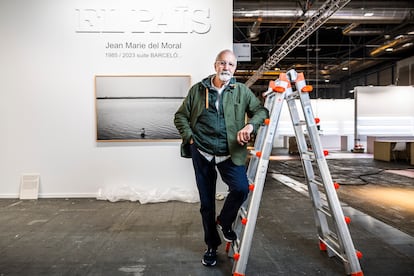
(239, 113)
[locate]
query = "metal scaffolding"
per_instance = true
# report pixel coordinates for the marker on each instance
(308, 27)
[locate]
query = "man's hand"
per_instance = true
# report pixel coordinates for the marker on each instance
(243, 136)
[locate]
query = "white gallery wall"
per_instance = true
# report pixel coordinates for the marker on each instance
(383, 111)
(50, 52)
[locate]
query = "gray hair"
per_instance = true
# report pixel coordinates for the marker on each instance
(226, 51)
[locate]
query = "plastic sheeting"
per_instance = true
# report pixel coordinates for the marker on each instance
(148, 195)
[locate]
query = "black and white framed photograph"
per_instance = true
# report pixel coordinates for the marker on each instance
(138, 108)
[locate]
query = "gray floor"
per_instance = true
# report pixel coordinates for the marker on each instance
(90, 237)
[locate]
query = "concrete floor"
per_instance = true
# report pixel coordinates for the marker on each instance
(91, 237)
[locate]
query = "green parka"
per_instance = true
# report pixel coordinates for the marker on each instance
(238, 101)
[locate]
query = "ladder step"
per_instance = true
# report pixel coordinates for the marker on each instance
(293, 96)
(333, 244)
(333, 238)
(308, 156)
(236, 246)
(326, 210)
(300, 123)
(316, 182)
(243, 212)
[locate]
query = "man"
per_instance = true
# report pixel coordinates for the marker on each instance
(211, 122)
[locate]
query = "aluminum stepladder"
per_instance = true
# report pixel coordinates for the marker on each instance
(333, 232)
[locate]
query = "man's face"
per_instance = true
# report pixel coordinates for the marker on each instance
(225, 66)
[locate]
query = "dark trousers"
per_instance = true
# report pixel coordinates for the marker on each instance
(206, 175)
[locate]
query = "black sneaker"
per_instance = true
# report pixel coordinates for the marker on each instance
(210, 257)
(228, 234)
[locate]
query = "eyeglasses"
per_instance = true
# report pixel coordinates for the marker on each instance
(223, 63)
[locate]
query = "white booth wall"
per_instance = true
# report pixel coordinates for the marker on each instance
(50, 52)
(383, 111)
(336, 120)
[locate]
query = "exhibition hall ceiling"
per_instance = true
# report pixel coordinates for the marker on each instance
(361, 36)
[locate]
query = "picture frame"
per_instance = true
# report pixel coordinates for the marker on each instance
(138, 107)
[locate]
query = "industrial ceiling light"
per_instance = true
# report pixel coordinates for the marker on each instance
(402, 47)
(409, 44)
(389, 45)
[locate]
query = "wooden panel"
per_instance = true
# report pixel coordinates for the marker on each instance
(382, 150)
(412, 153)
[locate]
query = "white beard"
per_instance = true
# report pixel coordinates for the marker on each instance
(225, 76)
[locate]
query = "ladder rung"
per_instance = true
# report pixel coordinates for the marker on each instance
(243, 212)
(334, 238)
(308, 155)
(294, 95)
(300, 123)
(316, 182)
(333, 244)
(236, 246)
(326, 210)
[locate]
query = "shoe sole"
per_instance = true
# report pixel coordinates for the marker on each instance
(206, 264)
(224, 237)
(228, 240)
